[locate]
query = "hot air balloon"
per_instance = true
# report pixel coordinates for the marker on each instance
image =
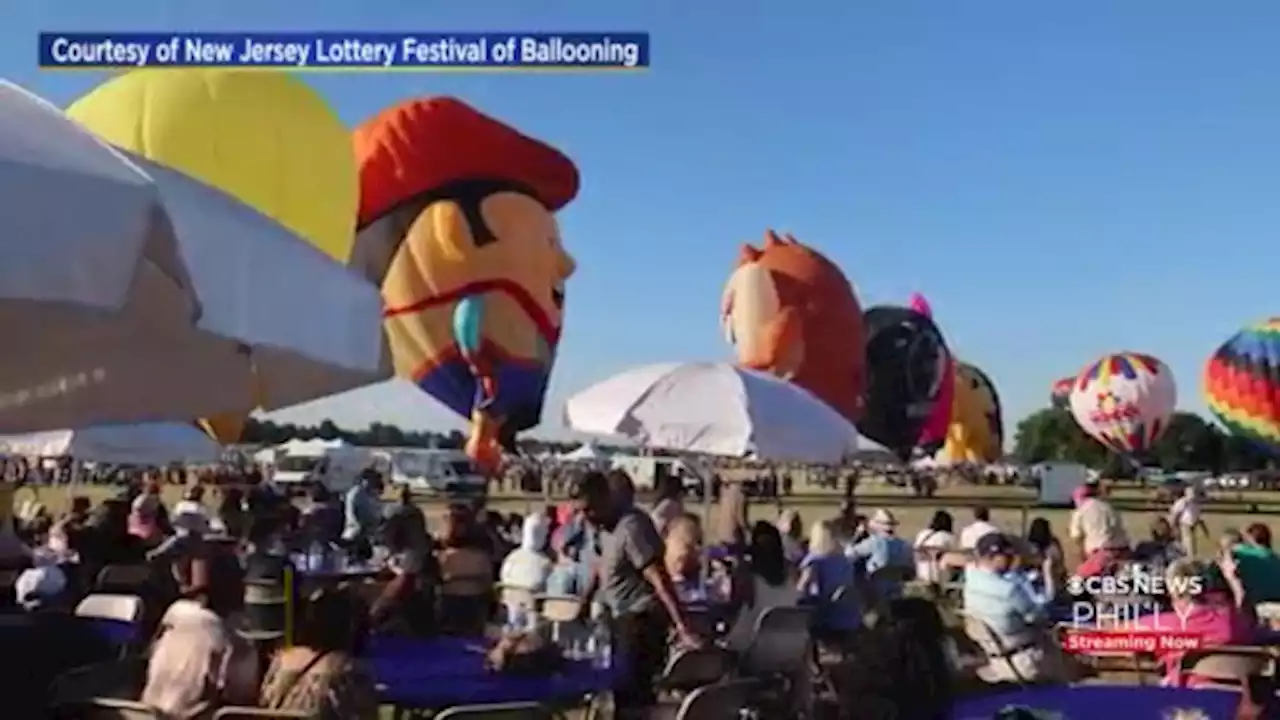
(906, 364)
(789, 311)
(457, 224)
(934, 432)
(1124, 401)
(1060, 392)
(976, 433)
(265, 138)
(1242, 384)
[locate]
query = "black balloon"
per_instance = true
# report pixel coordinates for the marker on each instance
(906, 362)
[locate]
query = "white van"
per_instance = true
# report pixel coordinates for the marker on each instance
(433, 471)
(334, 463)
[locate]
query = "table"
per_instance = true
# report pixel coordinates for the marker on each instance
(1103, 701)
(443, 672)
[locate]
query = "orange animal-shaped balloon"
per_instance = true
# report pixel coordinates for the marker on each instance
(790, 311)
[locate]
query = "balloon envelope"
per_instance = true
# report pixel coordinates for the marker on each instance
(976, 432)
(1124, 401)
(934, 432)
(906, 364)
(1242, 384)
(265, 138)
(791, 312)
(1060, 392)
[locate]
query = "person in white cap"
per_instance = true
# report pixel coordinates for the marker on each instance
(1185, 516)
(40, 587)
(883, 550)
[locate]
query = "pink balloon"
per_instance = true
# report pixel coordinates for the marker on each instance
(919, 304)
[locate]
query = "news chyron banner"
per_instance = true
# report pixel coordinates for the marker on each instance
(347, 51)
(1137, 611)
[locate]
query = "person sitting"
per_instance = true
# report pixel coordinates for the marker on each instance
(931, 543)
(1162, 549)
(528, 566)
(466, 574)
(407, 602)
(198, 662)
(824, 572)
(1218, 615)
(1045, 552)
(682, 554)
(763, 584)
(576, 553)
(1258, 565)
(1017, 618)
(978, 529)
(321, 674)
(1099, 531)
(884, 550)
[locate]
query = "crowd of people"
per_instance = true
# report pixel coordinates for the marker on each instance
(664, 580)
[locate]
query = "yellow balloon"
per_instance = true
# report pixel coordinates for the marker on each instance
(975, 434)
(264, 137)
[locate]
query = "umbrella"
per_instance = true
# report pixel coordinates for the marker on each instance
(714, 408)
(131, 292)
(143, 444)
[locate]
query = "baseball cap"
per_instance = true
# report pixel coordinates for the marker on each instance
(994, 544)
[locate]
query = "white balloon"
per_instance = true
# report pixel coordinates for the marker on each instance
(1124, 400)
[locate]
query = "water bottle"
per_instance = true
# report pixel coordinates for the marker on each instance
(602, 652)
(315, 557)
(517, 619)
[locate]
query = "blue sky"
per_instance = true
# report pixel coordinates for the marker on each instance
(1060, 179)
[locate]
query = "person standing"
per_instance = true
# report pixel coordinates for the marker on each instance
(1185, 516)
(635, 586)
(362, 514)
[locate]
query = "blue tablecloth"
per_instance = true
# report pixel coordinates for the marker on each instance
(1103, 701)
(444, 672)
(116, 632)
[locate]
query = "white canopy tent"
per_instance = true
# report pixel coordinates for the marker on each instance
(143, 444)
(587, 452)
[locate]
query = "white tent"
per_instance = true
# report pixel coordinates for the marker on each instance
(144, 444)
(586, 452)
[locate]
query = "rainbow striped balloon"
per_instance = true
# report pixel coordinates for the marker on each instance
(1124, 400)
(1242, 384)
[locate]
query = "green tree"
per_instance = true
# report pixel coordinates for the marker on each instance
(1052, 434)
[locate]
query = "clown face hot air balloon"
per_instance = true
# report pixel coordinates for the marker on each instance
(907, 361)
(789, 311)
(1242, 384)
(1124, 401)
(457, 225)
(265, 138)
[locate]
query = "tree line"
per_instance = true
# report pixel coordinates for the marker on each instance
(1188, 443)
(266, 432)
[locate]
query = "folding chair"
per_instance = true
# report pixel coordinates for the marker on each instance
(689, 669)
(499, 711)
(561, 612)
(732, 700)
(111, 606)
(110, 709)
(130, 579)
(254, 713)
(995, 649)
(1226, 666)
(119, 679)
(780, 650)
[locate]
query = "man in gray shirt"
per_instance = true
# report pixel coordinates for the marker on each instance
(634, 583)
